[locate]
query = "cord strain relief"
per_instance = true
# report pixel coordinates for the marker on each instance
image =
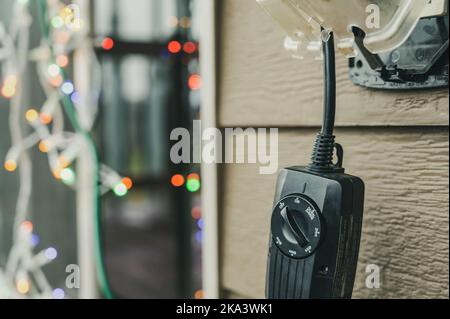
(322, 158)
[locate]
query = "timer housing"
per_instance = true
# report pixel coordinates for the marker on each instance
(315, 235)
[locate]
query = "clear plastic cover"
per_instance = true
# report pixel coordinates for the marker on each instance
(386, 23)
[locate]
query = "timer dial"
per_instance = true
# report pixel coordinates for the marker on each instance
(296, 226)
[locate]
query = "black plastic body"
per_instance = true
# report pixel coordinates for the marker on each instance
(329, 272)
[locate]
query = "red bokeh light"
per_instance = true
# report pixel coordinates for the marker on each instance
(174, 47)
(190, 47)
(107, 44)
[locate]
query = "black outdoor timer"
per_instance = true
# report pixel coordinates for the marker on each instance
(317, 217)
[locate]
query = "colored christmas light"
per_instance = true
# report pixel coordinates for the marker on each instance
(68, 176)
(174, 47)
(46, 118)
(108, 44)
(51, 253)
(23, 286)
(190, 47)
(31, 115)
(177, 180)
(128, 182)
(58, 293)
(120, 190)
(10, 165)
(195, 82)
(196, 212)
(193, 183)
(67, 88)
(62, 60)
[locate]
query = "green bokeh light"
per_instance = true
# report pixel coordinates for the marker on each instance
(68, 176)
(193, 185)
(120, 190)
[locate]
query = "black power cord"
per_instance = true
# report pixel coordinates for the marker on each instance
(322, 158)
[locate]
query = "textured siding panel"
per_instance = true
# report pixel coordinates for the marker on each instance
(261, 85)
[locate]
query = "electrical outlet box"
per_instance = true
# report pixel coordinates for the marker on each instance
(391, 44)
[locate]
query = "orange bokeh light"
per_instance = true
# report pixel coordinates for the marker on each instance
(199, 294)
(177, 180)
(46, 118)
(10, 165)
(23, 286)
(195, 82)
(9, 86)
(44, 146)
(128, 182)
(27, 226)
(62, 60)
(63, 162)
(56, 80)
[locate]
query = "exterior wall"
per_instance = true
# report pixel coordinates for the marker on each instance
(396, 141)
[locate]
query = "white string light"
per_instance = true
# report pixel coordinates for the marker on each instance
(22, 276)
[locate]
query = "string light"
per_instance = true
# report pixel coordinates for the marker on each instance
(57, 173)
(67, 88)
(23, 286)
(58, 293)
(62, 60)
(68, 176)
(174, 47)
(199, 294)
(55, 140)
(177, 180)
(51, 253)
(27, 226)
(120, 190)
(9, 86)
(199, 236)
(185, 22)
(46, 118)
(10, 165)
(195, 82)
(56, 81)
(35, 240)
(128, 182)
(107, 44)
(193, 183)
(53, 70)
(196, 212)
(63, 162)
(31, 115)
(173, 22)
(75, 97)
(44, 146)
(190, 47)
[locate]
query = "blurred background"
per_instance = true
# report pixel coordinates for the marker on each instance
(131, 72)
